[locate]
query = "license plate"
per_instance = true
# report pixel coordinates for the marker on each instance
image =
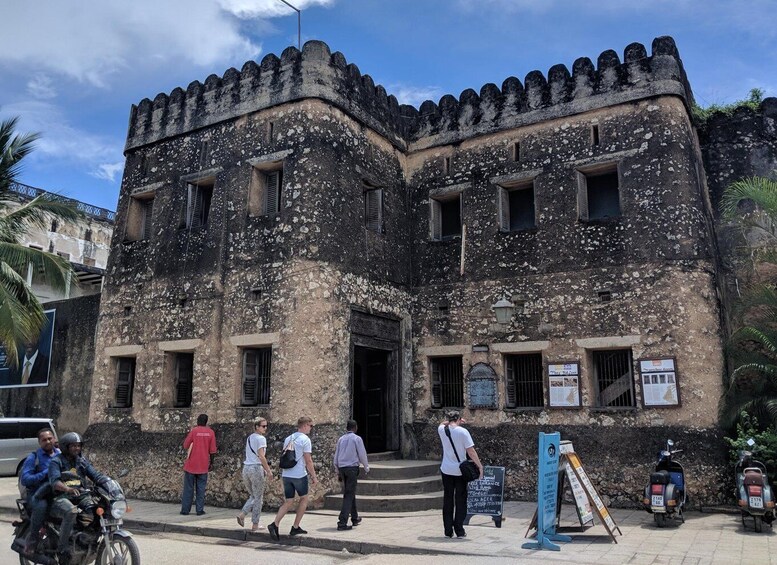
(657, 500)
(756, 502)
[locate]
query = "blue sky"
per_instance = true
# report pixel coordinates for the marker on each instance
(71, 70)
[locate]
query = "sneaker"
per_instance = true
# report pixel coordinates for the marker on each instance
(449, 534)
(273, 529)
(461, 534)
(296, 531)
(200, 512)
(341, 527)
(182, 513)
(356, 521)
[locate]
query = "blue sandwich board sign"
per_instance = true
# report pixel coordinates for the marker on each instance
(547, 494)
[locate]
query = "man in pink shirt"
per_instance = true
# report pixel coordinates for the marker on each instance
(200, 445)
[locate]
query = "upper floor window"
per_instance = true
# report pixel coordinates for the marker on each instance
(599, 193)
(613, 378)
(373, 209)
(264, 192)
(516, 206)
(139, 218)
(257, 365)
(447, 382)
(125, 381)
(198, 198)
(445, 216)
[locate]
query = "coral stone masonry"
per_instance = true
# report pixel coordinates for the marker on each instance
(292, 241)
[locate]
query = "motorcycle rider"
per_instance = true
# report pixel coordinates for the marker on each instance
(67, 473)
(35, 477)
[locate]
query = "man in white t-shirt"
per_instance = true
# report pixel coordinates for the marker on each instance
(454, 505)
(295, 480)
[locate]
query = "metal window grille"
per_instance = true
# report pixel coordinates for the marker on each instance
(524, 381)
(257, 364)
(614, 379)
(184, 376)
(447, 382)
(125, 378)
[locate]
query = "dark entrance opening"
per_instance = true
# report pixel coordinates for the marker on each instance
(371, 396)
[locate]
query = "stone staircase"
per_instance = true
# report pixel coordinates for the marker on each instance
(395, 485)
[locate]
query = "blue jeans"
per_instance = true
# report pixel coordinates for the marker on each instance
(192, 482)
(38, 508)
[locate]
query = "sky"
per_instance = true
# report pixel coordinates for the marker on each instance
(72, 70)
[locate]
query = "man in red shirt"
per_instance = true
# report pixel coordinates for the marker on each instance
(200, 445)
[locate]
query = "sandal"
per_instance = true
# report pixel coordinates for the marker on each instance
(257, 528)
(240, 520)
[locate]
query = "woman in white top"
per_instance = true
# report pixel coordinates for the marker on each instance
(255, 470)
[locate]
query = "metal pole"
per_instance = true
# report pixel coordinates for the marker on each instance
(299, 24)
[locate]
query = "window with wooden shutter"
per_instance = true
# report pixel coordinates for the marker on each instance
(125, 379)
(373, 209)
(184, 377)
(198, 199)
(265, 189)
(447, 382)
(255, 386)
(598, 194)
(272, 192)
(148, 210)
(503, 202)
(435, 220)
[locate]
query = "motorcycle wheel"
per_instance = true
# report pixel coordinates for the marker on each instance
(758, 524)
(660, 519)
(125, 548)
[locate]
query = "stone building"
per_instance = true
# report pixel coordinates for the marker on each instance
(290, 240)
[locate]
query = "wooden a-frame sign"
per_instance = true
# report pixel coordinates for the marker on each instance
(569, 462)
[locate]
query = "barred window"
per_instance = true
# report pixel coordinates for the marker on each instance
(447, 382)
(614, 379)
(257, 364)
(523, 381)
(125, 380)
(184, 377)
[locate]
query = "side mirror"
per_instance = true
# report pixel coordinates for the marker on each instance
(751, 442)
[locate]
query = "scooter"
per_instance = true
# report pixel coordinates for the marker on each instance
(665, 495)
(754, 493)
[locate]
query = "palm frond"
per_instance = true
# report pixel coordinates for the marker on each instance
(13, 148)
(37, 213)
(21, 314)
(759, 190)
(52, 269)
(757, 335)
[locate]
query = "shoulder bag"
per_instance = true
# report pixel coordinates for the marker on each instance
(288, 457)
(469, 471)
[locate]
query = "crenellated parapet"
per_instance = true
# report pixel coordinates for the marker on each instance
(315, 72)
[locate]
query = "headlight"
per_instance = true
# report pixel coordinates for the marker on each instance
(119, 509)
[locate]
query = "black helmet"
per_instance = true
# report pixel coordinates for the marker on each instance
(68, 438)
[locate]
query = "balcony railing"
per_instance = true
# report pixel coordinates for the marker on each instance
(27, 192)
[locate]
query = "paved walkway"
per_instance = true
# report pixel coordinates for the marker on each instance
(704, 537)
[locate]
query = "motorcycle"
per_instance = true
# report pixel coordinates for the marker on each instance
(97, 535)
(665, 494)
(754, 492)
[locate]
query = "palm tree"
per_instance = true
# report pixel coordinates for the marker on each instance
(21, 314)
(751, 204)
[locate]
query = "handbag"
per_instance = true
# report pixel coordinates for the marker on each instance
(469, 471)
(288, 457)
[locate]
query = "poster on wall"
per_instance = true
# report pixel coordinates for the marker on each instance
(659, 382)
(34, 360)
(564, 385)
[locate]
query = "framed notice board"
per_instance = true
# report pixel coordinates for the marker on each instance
(564, 385)
(659, 382)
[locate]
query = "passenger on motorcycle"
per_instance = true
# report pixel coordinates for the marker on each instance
(67, 473)
(35, 478)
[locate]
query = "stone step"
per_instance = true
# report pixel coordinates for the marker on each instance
(383, 456)
(403, 469)
(385, 487)
(404, 503)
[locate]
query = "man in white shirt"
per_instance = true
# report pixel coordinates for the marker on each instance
(454, 506)
(295, 480)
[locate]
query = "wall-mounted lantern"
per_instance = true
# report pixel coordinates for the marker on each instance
(504, 310)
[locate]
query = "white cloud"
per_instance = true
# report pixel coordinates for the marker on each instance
(414, 95)
(108, 171)
(95, 40)
(41, 86)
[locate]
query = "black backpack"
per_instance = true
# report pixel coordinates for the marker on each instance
(289, 456)
(22, 488)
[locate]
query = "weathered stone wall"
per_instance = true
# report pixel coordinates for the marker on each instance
(66, 398)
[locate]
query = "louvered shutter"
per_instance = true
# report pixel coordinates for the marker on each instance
(250, 383)
(435, 219)
(436, 385)
(510, 391)
(272, 193)
(582, 197)
(148, 209)
(374, 209)
(183, 385)
(124, 380)
(503, 198)
(196, 220)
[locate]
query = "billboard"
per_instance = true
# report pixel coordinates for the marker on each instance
(34, 360)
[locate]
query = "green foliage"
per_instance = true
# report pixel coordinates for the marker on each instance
(765, 448)
(701, 115)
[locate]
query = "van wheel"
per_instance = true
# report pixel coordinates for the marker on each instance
(758, 524)
(660, 519)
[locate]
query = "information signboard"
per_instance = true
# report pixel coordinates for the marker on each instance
(564, 385)
(486, 496)
(659, 382)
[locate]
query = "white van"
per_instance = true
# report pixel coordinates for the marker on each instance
(19, 437)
